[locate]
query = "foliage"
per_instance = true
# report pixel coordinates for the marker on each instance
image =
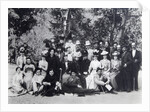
(33, 26)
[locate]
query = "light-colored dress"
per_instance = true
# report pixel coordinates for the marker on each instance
(44, 66)
(21, 60)
(90, 84)
(115, 70)
(17, 88)
(105, 65)
(90, 54)
(28, 69)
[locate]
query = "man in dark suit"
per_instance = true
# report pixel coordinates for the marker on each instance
(125, 78)
(136, 63)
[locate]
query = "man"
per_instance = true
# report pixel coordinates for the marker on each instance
(76, 65)
(50, 84)
(66, 65)
(119, 51)
(102, 80)
(89, 50)
(125, 78)
(73, 85)
(136, 63)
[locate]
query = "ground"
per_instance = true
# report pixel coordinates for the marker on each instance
(134, 97)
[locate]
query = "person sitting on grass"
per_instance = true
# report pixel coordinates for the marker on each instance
(103, 81)
(51, 84)
(37, 82)
(17, 84)
(73, 85)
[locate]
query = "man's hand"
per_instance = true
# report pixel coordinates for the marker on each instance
(135, 60)
(125, 65)
(79, 86)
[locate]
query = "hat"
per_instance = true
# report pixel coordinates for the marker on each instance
(95, 52)
(104, 53)
(87, 43)
(78, 42)
(115, 53)
(133, 43)
(118, 46)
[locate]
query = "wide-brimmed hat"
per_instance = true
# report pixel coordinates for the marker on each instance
(115, 53)
(104, 53)
(78, 42)
(87, 43)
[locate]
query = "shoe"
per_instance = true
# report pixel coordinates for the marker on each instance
(113, 92)
(81, 95)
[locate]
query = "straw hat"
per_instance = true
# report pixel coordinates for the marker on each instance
(78, 42)
(87, 43)
(104, 53)
(115, 53)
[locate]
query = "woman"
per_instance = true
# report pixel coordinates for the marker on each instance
(43, 64)
(92, 70)
(28, 69)
(17, 84)
(105, 64)
(115, 69)
(21, 60)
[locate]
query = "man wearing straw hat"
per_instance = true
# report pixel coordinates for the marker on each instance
(89, 50)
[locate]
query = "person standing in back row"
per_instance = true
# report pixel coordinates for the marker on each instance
(136, 63)
(125, 71)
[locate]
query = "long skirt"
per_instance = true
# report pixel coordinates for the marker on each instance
(113, 79)
(90, 83)
(16, 91)
(28, 81)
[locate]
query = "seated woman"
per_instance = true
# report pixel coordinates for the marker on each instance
(102, 80)
(50, 84)
(28, 69)
(105, 64)
(115, 70)
(37, 82)
(43, 64)
(17, 84)
(73, 85)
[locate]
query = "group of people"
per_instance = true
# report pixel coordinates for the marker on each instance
(66, 67)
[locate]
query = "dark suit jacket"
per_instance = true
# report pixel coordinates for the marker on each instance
(138, 56)
(126, 59)
(64, 68)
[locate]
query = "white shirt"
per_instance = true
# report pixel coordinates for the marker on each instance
(133, 52)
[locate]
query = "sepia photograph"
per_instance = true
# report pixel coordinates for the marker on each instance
(74, 56)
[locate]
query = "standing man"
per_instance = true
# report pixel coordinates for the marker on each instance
(125, 70)
(89, 50)
(136, 63)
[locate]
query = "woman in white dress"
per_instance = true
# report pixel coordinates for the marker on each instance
(17, 84)
(115, 70)
(21, 60)
(43, 64)
(90, 84)
(105, 64)
(29, 68)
